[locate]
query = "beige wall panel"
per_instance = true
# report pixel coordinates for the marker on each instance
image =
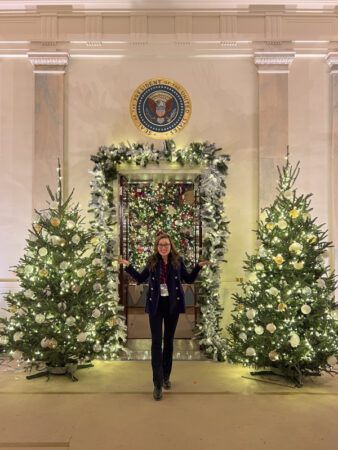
(309, 131)
(224, 111)
(309, 28)
(112, 26)
(71, 28)
(161, 24)
(19, 29)
(250, 28)
(16, 150)
(205, 25)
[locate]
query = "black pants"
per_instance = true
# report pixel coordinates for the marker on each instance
(162, 361)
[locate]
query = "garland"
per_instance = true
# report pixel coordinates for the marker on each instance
(215, 226)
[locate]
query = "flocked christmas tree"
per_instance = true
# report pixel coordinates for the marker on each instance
(160, 207)
(64, 313)
(285, 318)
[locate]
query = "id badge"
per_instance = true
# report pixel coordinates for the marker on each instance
(164, 290)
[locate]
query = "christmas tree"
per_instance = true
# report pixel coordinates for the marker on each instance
(160, 207)
(285, 318)
(64, 313)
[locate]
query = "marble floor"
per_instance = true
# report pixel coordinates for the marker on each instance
(211, 406)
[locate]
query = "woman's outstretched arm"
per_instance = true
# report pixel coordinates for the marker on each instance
(138, 277)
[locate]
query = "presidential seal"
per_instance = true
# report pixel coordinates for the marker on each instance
(160, 108)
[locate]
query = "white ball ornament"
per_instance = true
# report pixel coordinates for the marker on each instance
(97, 287)
(64, 265)
(43, 251)
(307, 290)
(295, 247)
(39, 318)
(76, 239)
(332, 360)
(306, 309)
(97, 262)
(282, 224)
(96, 313)
(97, 348)
(250, 351)
(44, 342)
(28, 269)
(3, 340)
(271, 327)
(252, 277)
(81, 337)
(81, 273)
(298, 265)
(273, 291)
(294, 340)
(243, 336)
(18, 336)
(250, 314)
(259, 330)
(29, 293)
(70, 224)
(70, 321)
(262, 251)
(320, 282)
(288, 194)
(259, 266)
(17, 355)
(62, 306)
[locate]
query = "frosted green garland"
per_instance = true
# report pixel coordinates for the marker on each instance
(215, 225)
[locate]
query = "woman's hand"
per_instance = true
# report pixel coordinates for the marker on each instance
(123, 261)
(204, 263)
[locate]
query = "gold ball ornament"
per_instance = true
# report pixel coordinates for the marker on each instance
(279, 259)
(281, 307)
(100, 273)
(52, 343)
(312, 239)
(55, 222)
(332, 360)
(13, 309)
(294, 213)
(43, 273)
(270, 225)
(76, 288)
(273, 356)
(37, 227)
(111, 321)
(240, 307)
(94, 240)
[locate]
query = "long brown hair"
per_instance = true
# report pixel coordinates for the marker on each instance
(173, 256)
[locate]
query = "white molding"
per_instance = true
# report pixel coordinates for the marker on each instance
(332, 60)
(48, 59)
(277, 58)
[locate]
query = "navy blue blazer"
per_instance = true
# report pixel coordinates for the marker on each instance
(175, 289)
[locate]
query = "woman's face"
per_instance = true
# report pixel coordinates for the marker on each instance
(163, 246)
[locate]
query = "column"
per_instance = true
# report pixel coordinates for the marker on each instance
(273, 71)
(332, 61)
(49, 71)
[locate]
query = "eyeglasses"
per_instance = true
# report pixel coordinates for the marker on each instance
(163, 245)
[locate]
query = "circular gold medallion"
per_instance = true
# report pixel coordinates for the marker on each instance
(160, 108)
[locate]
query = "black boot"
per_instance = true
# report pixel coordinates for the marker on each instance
(166, 384)
(157, 394)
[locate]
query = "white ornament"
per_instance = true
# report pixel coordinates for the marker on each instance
(321, 282)
(28, 269)
(263, 216)
(112, 284)
(3, 340)
(97, 287)
(81, 337)
(259, 330)
(295, 247)
(250, 351)
(282, 224)
(97, 262)
(332, 360)
(30, 254)
(44, 342)
(307, 290)
(29, 293)
(62, 306)
(96, 313)
(294, 340)
(288, 194)
(250, 314)
(81, 273)
(70, 224)
(252, 277)
(39, 318)
(17, 355)
(97, 348)
(243, 336)
(70, 321)
(262, 251)
(298, 265)
(18, 336)
(259, 266)
(273, 291)
(306, 309)
(76, 239)
(271, 327)
(43, 251)
(64, 265)
(32, 237)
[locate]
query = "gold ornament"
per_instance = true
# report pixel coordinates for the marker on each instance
(52, 343)
(100, 273)
(62, 242)
(55, 221)
(281, 307)
(240, 307)
(294, 213)
(13, 308)
(94, 240)
(279, 259)
(312, 239)
(43, 272)
(111, 321)
(76, 288)
(270, 225)
(273, 355)
(37, 227)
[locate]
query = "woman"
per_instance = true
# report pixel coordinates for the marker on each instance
(164, 302)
